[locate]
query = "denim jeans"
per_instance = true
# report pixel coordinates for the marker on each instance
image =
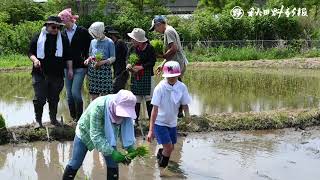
(79, 153)
(74, 85)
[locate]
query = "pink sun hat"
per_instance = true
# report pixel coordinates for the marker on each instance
(125, 103)
(66, 16)
(171, 69)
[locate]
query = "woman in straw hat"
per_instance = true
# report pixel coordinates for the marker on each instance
(142, 82)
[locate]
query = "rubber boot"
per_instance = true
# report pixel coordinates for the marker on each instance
(53, 108)
(112, 173)
(164, 161)
(72, 110)
(149, 108)
(137, 108)
(69, 173)
(159, 154)
(38, 110)
(79, 110)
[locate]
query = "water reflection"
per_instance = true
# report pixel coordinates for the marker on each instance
(212, 90)
(43, 160)
(280, 154)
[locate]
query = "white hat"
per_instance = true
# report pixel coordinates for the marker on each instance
(138, 35)
(96, 30)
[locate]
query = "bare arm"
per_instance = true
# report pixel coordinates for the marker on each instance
(154, 115)
(171, 51)
(35, 61)
(187, 113)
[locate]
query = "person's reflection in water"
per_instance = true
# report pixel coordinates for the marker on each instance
(47, 161)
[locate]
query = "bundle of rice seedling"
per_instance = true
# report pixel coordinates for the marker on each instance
(141, 151)
(99, 56)
(157, 45)
(133, 59)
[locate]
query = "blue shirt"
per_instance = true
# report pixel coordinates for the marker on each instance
(71, 32)
(105, 46)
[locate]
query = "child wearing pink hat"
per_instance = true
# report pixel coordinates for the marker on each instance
(168, 95)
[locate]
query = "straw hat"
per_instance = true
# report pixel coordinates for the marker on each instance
(138, 35)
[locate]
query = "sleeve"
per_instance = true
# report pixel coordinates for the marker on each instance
(171, 37)
(66, 50)
(151, 58)
(156, 97)
(33, 46)
(90, 49)
(97, 132)
(122, 51)
(87, 40)
(186, 99)
(112, 52)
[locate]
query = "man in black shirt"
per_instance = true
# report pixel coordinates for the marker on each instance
(49, 53)
(119, 66)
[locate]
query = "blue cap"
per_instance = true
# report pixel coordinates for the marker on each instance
(157, 20)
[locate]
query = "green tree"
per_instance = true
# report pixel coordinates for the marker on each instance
(22, 10)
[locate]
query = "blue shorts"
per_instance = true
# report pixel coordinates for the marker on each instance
(165, 135)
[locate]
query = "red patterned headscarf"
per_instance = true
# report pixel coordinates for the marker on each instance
(66, 16)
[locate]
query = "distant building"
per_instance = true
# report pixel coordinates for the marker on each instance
(182, 6)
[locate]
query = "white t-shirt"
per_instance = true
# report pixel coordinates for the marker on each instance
(169, 98)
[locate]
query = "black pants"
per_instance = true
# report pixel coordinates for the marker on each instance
(46, 88)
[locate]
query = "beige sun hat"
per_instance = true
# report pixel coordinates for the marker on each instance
(138, 34)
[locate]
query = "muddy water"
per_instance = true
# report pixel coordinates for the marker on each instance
(265, 155)
(213, 90)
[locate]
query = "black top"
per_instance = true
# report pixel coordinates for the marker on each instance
(147, 58)
(121, 57)
(50, 65)
(79, 47)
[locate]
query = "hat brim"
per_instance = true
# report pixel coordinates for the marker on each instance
(126, 111)
(151, 28)
(54, 22)
(171, 75)
(132, 37)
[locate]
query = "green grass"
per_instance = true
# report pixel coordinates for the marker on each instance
(297, 118)
(199, 54)
(221, 54)
(14, 60)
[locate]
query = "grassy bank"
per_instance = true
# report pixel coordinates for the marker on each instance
(14, 61)
(221, 54)
(298, 118)
(199, 54)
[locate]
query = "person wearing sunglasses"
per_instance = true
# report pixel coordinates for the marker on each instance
(49, 53)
